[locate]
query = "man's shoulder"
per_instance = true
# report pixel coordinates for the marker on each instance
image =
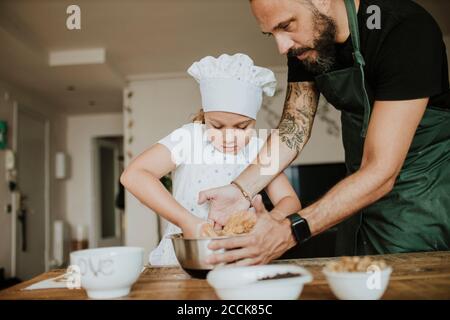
(396, 15)
(403, 25)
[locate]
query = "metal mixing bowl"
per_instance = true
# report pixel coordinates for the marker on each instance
(191, 254)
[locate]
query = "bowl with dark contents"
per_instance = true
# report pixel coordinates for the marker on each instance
(191, 254)
(265, 282)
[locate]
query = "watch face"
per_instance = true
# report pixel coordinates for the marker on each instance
(301, 230)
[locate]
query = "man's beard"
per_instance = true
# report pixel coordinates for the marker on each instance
(324, 45)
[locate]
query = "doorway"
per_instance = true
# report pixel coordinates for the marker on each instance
(109, 193)
(31, 238)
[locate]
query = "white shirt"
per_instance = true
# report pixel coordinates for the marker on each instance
(199, 166)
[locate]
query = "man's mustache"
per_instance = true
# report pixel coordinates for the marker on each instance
(293, 52)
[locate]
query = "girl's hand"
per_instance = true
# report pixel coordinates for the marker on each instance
(224, 201)
(195, 228)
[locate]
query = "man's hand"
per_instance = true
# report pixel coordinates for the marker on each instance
(223, 202)
(268, 240)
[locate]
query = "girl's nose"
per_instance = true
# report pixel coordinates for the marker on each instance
(284, 43)
(230, 135)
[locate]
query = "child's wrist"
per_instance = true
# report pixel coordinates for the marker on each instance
(188, 220)
(242, 192)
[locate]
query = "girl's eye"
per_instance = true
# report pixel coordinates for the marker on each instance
(217, 127)
(243, 126)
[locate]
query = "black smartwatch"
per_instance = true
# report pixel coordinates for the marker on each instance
(300, 228)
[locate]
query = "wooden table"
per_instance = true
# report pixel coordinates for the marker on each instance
(415, 276)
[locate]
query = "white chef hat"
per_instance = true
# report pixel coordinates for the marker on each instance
(232, 84)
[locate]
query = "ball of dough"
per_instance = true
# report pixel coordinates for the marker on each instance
(238, 223)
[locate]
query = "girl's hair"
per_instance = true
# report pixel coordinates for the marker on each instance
(199, 116)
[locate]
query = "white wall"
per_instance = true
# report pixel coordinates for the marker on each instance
(159, 105)
(81, 130)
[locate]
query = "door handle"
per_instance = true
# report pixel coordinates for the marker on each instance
(23, 221)
(22, 217)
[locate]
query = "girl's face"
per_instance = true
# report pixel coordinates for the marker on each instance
(228, 132)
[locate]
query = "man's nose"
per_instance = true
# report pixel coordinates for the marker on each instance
(284, 43)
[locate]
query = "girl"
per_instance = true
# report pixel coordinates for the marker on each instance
(208, 153)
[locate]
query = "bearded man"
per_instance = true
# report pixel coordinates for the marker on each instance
(391, 86)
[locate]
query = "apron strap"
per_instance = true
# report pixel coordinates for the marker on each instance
(354, 31)
(359, 59)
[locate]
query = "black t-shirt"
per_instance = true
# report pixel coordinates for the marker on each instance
(406, 59)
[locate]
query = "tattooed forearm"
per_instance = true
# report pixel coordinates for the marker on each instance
(298, 114)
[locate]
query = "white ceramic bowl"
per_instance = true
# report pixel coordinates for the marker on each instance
(108, 273)
(243, 283)
(358, 285)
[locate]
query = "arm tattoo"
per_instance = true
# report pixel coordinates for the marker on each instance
(298, 114)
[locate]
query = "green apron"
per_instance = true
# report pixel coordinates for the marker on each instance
(415, 215)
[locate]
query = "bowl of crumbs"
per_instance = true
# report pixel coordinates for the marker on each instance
(264, 282)
(358, 278)
(191, 253)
